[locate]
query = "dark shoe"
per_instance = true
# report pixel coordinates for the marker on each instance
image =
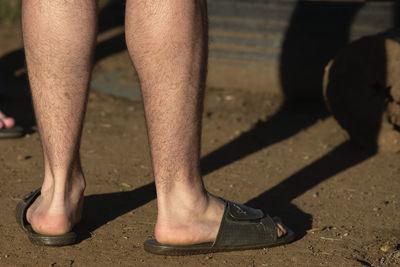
(43, 240)
(241, 228)
(14, 132)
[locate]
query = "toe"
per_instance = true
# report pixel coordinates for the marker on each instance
(8, 122)
(280, 227)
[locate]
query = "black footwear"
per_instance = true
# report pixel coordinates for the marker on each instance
(241, 228)
(44, 240)
(13, 132)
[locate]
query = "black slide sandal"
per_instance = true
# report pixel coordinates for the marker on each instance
(242, 228)
(14, 132)
(43, 240)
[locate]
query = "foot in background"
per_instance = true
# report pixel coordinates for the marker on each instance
(8, 129)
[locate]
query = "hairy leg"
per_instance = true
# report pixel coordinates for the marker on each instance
(168, 45)
(59, 38)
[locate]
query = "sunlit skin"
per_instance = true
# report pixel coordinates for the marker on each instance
(167, 42)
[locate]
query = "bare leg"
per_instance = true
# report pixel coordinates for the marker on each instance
(59, 38)
(167, 42)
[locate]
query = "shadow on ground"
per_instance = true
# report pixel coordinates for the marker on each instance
(102, 208)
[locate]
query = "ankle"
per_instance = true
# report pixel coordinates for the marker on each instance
(181, 196)
(184, 207)
(59, 190)
(56, 170)
(65, 177)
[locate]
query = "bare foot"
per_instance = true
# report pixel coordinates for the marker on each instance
(6, 122)
(195, 223)
(57, 212)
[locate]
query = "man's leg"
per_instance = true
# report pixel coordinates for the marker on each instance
(167, 42)
(59, 38)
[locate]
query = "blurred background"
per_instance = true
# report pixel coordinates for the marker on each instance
(275, 45)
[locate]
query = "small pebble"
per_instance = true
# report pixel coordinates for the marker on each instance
(125, 185)
(384, 203)
(105, 125)
(376, 209)
(386, 248)
(316, 194)
(237, 132)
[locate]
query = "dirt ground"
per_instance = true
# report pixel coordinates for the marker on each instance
(291, 160)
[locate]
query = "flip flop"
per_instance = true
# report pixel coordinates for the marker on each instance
(241, 228)
(14, 132)
(39, 239)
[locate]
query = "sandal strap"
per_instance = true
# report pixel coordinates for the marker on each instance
(242, 225)
(23, 205)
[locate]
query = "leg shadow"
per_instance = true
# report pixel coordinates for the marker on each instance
(277, 199)
(317, 31)
(102, 208)
(289, 120)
